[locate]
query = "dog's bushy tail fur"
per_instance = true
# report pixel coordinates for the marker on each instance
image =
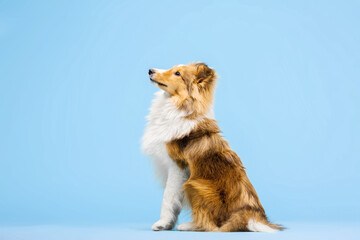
(249, 220)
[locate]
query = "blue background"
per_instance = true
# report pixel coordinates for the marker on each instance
(74, 94)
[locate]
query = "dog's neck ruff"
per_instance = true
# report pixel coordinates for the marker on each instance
(167, 122)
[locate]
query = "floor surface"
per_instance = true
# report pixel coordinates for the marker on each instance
(303, 231)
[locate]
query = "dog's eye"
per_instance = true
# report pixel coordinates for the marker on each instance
(177, 73)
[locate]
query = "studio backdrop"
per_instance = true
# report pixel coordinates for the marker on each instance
(74, 93)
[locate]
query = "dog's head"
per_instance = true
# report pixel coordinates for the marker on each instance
(190, 86)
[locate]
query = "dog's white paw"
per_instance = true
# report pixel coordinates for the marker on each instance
(162, 225)
(185, 227)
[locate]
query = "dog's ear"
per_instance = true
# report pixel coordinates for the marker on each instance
(204, 74)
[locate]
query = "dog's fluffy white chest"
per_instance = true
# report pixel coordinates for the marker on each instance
(165, 123)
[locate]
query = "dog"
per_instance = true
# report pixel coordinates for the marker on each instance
(194, 161)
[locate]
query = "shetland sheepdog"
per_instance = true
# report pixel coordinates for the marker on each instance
(194, 161)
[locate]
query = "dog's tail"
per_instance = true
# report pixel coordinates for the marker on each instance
(249, 220)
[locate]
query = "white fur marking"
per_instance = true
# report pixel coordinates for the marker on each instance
(186, 227)
(255, 226)
(173, 194)
(159, 70)
(166, 123)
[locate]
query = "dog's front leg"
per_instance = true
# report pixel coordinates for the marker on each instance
(172, 199)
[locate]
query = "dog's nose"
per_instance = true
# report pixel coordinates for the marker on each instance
(151, 71)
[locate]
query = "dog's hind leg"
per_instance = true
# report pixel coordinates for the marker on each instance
(203, 199)
(186, 227)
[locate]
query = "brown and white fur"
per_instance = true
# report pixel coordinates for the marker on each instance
(194, 160)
